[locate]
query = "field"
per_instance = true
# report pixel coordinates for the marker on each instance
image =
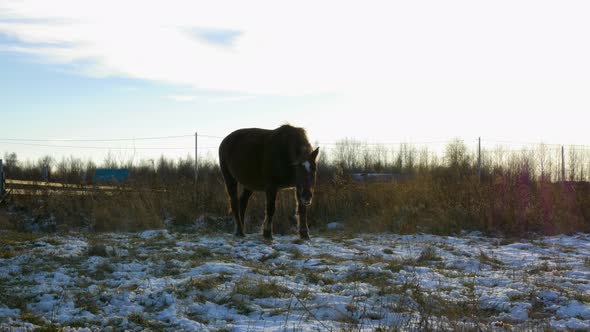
(434, 152)
(194, 280)
(438, 247)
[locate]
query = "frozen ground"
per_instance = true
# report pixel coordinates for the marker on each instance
(160, 280)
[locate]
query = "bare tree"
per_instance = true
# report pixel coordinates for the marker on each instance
(423, 159)
(543, 160)
(347, 153)
(456, 153)
(573, 160)
(10, 164)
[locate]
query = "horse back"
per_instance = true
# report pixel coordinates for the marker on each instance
(260, 158)
(242, 155)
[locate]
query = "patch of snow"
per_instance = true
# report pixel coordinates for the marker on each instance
(216, 268)
(8, 313)
(519, 312)
(495, 301)
(155, 233)
(575, 309)
(570, 324)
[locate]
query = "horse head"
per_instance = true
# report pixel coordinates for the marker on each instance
(305, 176)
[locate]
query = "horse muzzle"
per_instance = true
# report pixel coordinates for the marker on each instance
(306, 202)
(305, 197)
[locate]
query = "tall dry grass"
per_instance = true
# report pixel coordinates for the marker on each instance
(519, 192)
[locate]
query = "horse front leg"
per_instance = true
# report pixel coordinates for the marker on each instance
(271, 195)
(302, 219)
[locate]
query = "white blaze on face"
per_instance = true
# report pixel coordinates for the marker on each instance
(307, 166)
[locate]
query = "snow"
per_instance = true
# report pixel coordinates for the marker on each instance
(570, 324)
(575, 309)
(5, 312)
(155, 233)
(216, 268)
(165, 280)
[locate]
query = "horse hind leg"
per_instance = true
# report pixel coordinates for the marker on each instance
(246, 193)
(231, 185)
(235, 207)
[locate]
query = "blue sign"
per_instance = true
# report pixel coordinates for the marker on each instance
(110, 175)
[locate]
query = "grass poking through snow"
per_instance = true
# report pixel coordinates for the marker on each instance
(159, 280)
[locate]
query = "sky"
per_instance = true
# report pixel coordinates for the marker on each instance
(84, 73)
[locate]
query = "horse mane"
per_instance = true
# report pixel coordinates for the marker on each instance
(295, 140)
(288, 127)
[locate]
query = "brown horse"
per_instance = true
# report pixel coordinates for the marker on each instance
(268, 160)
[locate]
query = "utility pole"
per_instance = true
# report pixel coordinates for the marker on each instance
(45, 172)
(479, 158)
(1, 179)
(196, 160)
(562, 164)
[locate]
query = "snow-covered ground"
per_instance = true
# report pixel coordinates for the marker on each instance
(161, 280)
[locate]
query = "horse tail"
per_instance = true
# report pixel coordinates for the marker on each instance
(231, 184)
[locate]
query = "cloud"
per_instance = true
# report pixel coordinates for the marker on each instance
(211, 98)
(220, 37)
(181, 98)
(304, 47)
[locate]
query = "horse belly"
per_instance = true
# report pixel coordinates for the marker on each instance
(249, 178)
(254, 186)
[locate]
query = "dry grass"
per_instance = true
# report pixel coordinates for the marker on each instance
(440, 197)
(97, 249)
(258, 288)
(423, 204)
(428, 254)
(489, 260)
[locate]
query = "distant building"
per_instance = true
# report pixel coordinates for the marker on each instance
(108, 175)
(372, 177)
(380, 177)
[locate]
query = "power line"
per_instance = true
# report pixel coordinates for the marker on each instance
(337, 142)
(537, 143)
(93, 140)
(344, 142)
(106, 140)
(98, 147)
(209, 136)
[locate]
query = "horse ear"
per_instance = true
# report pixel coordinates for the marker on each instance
(314, 155)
